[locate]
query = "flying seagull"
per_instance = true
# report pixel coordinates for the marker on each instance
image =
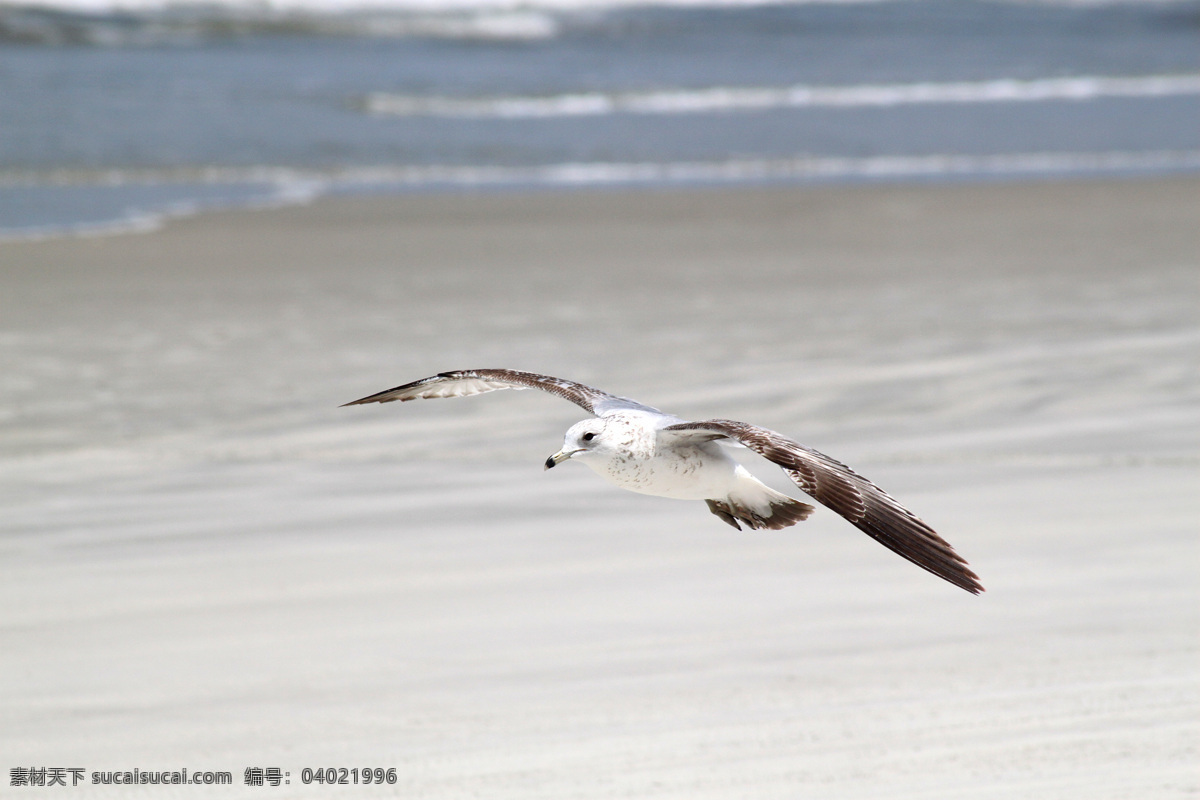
(645, 450)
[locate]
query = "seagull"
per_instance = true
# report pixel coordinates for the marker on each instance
(639, 448)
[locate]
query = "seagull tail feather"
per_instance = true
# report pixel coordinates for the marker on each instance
(761, 508)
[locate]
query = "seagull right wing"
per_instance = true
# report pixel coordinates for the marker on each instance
(836, 486)
(463, 383)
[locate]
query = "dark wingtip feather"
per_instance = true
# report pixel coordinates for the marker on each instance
(374, 398)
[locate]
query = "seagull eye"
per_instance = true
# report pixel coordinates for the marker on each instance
(587, 437)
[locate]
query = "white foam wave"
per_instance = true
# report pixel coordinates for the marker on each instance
(298, 186)
(458, 6)
(145, 24)
(719, 99)
(515, 25)
(802, 168)
(294, 185)
(119, 23)
(131, 223)
(271, 189)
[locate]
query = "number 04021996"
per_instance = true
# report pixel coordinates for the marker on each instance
(351, 775)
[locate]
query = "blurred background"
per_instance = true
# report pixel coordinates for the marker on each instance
(116, 113)
(953, 244)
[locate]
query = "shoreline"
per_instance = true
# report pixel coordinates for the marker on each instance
(216, 190)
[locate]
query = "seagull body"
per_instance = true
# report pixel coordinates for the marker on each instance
(644, 450)
(639, 452)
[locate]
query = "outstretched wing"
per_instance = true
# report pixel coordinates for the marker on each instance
(463, 383)
(840, 488)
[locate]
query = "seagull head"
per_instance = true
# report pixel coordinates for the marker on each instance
(581, 440)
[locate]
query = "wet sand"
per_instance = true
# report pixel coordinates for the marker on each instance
(205, 563)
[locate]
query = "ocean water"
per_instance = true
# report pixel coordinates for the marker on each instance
(115, 115)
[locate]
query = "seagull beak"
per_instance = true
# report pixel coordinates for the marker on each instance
(559, 457)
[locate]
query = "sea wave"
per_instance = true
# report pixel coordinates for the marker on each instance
(132, 23)
(260, 187)
(176, 24)
(440, 6)
(92, 203)
(731, 99)
(301, 185)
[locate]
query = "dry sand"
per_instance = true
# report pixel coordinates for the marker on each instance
(205, 563)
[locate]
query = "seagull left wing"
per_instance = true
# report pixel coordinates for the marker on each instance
(463, 383)
(840, 488)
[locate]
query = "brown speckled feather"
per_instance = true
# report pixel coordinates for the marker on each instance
(466, 382)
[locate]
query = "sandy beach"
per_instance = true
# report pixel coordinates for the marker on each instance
(205, 563)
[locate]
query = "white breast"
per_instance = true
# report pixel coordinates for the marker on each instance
(691, 472)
